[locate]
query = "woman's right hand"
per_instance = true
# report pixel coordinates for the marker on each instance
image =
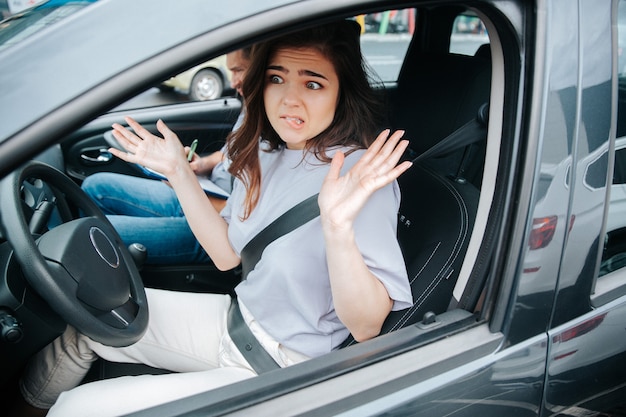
(165, 155)
(168, 156)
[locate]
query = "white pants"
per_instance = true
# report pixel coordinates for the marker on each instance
(187, 334)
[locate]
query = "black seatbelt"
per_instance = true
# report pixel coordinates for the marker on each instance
(471, 132)
(290, 220)
(246, 342)
(238, 330)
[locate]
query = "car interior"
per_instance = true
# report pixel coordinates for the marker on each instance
(436, 93)
(444, 100)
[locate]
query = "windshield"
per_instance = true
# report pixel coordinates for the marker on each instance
(22, 25)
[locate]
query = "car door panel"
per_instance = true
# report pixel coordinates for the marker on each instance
(466, 374)
(587, 340)
(506, 383)
(586, 362)
(358, 375)
(86, 150)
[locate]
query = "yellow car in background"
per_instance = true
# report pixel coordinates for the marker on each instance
(206, 81)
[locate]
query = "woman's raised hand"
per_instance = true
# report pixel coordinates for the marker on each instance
(164, 155)
(342, 197)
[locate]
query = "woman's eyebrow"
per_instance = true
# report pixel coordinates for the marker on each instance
(311, 74)
(308, 73)
(278, 68)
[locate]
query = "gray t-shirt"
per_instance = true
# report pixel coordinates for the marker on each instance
(289, 292)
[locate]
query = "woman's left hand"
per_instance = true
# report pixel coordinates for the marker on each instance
(342, 197)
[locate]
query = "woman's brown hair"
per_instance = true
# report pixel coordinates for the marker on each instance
(358, 115)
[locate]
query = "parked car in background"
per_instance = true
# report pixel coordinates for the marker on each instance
(513, 235)
(206, 81)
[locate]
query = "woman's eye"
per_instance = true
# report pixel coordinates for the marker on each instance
(275, 79)
(313, 85)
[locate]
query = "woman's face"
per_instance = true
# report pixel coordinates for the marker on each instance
(300, 95)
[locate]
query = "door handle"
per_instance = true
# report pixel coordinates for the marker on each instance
(96, 156)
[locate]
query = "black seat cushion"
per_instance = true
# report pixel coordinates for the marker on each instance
(434, 227)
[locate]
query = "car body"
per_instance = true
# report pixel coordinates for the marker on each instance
(206, 81)
(519, 330)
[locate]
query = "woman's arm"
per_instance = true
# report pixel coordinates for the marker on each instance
(340, 200)
(168, 157)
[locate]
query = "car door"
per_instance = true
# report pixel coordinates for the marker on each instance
(587, 343)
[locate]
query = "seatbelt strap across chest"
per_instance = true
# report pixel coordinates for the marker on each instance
(290, 220)
(238, 330)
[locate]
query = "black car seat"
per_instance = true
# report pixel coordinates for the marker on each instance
(435, 222)
(437, 94)
(442, 104)
(434, 227)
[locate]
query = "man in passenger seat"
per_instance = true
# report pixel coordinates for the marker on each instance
(146, 211)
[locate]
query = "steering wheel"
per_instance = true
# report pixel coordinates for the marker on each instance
(80, 267)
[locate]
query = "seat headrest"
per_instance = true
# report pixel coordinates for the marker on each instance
(483, 51)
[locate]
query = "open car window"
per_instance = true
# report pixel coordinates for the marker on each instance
(385, 38)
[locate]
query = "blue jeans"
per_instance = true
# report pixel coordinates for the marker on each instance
(148, 212)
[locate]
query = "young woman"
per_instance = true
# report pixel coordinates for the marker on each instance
(338, 274)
